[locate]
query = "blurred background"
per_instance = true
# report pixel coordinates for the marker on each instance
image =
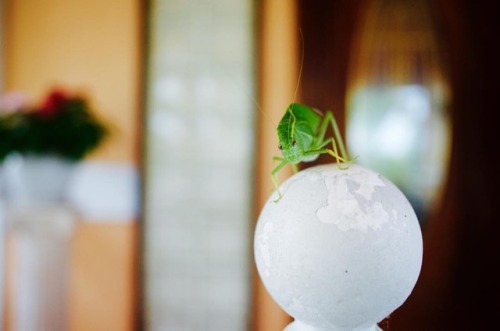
(193, 91)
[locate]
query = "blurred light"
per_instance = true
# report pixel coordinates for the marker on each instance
(397, 116)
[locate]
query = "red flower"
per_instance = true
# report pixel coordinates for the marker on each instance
(53, 103)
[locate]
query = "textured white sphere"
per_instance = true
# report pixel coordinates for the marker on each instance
(341, 250)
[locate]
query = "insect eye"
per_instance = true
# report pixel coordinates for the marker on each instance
(294, 143)
(280, 147)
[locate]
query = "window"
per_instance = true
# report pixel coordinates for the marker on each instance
(199, 134)
(397, 118)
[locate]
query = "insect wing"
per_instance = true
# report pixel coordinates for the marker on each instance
(285, 128)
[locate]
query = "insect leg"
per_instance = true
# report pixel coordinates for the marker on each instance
(338, 138)
(328, 118)
(274, 175)
(323, 150)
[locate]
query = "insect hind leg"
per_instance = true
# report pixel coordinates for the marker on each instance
(333, 152)
(329, 119)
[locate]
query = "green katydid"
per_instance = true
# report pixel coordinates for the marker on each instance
(301, 135)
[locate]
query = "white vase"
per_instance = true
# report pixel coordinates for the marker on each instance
(340, 251)
(40, 225)
(34, 179)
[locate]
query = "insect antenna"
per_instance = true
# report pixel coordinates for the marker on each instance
(252, 97)
(301, 65)
(241, 90)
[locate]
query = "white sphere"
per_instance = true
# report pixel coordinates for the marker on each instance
(341, 250)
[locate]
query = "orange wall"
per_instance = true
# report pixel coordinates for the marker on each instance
(89, 46)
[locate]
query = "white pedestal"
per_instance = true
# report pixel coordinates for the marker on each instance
(2, 260)
(299, 326)
(340, 251)
(40, 225)
(41, 237)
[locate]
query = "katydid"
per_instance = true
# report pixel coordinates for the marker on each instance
(301, 135)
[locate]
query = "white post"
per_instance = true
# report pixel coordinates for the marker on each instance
(340, 251)
(42, 241)
(2, 254)
(40, 224)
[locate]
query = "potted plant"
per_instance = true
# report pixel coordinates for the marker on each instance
(40, 144)
(39, 147)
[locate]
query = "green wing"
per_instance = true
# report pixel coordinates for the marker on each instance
(307, 122)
